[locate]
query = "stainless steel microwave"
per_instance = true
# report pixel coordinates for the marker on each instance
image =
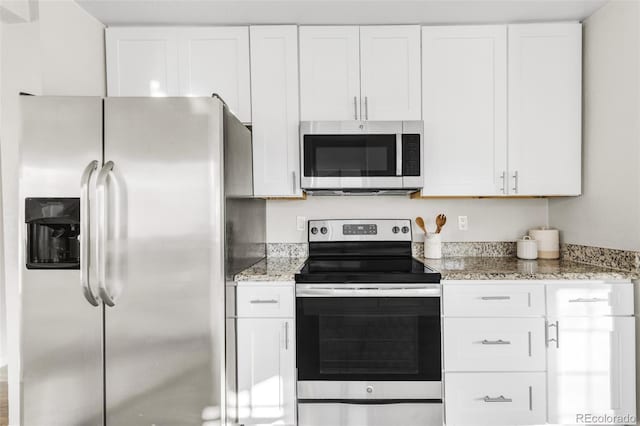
(361, 157)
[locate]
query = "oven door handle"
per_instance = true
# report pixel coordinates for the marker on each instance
(369, 291)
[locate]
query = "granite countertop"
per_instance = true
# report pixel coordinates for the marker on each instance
(460, 268)
(511, 268)
(272, 269)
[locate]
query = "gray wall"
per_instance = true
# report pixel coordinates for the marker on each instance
(608, 214)
(489, 219)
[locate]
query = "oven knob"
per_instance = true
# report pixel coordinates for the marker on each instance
(405, 229)
(314, 230)
(323, 230)
(395, 229)
(369, 389)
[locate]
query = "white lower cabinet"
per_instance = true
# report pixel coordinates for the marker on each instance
(266, 353)
(591, 370)
(475, 399)
(572, 362)
(266, 371)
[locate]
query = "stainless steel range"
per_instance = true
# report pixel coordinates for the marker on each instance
(368, 328)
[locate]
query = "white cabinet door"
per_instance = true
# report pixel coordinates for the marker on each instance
(216, 60)
(274, 108)
(494, 344)
(464, 98)
(591, 369)
(545, 89)
(266, 372)
(390, 72)
(329, 73)
(493, 399)
(515, 299)
(142, 61)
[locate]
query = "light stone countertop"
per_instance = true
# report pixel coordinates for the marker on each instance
(282, 269)
(272, 269)
(511, 268)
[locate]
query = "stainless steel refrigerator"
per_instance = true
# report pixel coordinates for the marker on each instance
(136, 213)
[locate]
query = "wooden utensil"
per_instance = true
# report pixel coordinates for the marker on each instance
(420, 223)
(441, 220)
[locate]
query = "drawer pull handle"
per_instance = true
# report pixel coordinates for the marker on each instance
(262, 302)
(495, 342)
(496, 298)
(585, 300)
(501, 398)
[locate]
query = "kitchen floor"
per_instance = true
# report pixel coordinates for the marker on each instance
(4, 405)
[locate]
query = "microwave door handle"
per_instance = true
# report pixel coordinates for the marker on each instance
(398, 154)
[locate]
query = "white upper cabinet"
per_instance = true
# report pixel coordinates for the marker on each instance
(274, 92)
(216, 60)
(329, 73)
(181, 61)
(360, 73)
(545, 109)
(464, 98)
(390, 72)
(142, 61)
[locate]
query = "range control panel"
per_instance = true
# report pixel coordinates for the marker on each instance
(359, 230)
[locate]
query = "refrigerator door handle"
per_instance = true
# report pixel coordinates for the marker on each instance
(102, 227)
(85, 230)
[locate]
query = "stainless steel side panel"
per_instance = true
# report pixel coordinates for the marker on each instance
(349, 414)
(164, 352)
(61, 333)
(327, 389)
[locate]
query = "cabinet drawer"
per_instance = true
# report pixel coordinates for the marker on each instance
(494, 399)
(577, 300)
(266, 301)
(494, 344)
(493, 300)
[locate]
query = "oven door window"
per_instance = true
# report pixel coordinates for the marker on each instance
(352, 339)
(349, 155)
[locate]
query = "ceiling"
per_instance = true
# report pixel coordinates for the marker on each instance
(227, 12)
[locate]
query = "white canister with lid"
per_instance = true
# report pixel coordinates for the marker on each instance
(432, 246)
(548, 242)
(527, 248)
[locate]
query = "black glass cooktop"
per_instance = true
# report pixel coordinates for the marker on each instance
(366, 269)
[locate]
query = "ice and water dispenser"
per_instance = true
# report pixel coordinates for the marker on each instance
(53, 233)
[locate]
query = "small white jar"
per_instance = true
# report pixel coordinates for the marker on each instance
(527, 248)
(432, 246)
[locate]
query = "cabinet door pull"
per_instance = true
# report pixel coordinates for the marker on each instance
(529, 336)
(293, 182)
(530, 398)
(503, 176)
(501, 398)
(587, 300)
(496, 298)
(366, 108)
(263, 301)
(495, 342)
(515, 182)
(557, 338)
(286, 335)
(355, 107)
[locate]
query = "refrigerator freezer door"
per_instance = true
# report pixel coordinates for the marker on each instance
(61, 332)
(164, 258)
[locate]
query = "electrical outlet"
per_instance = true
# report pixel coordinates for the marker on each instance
(301, 223)
(463, 223)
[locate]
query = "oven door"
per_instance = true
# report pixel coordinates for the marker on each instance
(377, 345)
